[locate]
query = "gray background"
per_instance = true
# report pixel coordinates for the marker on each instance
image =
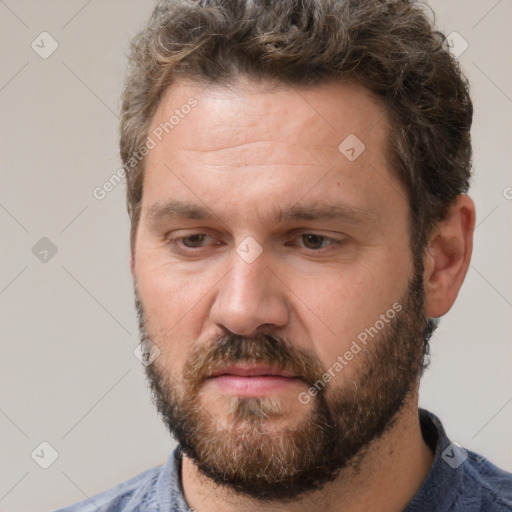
(68, 326)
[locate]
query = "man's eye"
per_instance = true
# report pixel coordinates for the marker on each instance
(193, 240)
(316, 242)
(183, 243)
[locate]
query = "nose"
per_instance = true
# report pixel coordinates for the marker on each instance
(250, 296)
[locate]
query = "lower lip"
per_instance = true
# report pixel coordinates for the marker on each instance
(254, 386)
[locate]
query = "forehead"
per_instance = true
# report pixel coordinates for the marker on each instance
(231, 114)
(261, 144)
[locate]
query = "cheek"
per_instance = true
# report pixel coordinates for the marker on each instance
(344, 304)
(167, 288)
(173, 308)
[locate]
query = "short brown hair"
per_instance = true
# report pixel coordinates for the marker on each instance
(391, 47)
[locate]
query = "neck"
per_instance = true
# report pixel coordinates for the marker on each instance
(388, 476)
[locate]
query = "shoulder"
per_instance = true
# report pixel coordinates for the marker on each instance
(486, 483)
(126, 497)
(459, 480)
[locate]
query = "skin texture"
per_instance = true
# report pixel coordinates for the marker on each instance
(243, 153)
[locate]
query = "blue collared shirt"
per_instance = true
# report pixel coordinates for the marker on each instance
(458, 481)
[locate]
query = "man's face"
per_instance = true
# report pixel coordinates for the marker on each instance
(274, 273)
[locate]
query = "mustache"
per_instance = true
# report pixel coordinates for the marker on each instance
(263, 349)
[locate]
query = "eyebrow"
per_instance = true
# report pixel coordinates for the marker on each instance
(176, 209)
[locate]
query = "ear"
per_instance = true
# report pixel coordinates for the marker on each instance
(447, 257)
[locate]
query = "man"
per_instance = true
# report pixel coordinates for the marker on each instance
(296, 182)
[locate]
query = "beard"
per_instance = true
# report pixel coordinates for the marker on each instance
(254, 450)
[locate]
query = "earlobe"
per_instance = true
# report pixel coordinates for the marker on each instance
(447, 257)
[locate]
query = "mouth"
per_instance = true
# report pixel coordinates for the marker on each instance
(252, 380)
(252, 371)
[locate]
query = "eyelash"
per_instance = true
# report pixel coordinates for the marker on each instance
(176, 243)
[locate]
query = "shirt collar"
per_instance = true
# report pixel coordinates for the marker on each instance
(443, 481)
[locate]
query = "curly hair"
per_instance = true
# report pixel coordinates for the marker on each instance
(391, 47)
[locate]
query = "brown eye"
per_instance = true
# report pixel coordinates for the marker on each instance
(193, 241)
(314, 242)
